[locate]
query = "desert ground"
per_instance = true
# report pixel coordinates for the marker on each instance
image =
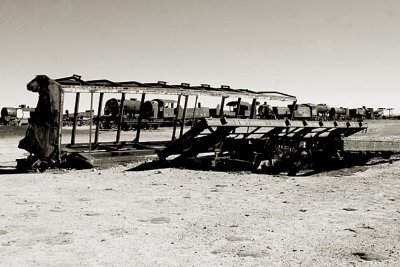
(178, 217)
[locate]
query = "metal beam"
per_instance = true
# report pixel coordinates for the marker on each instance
(76, 109)
(121, 117)
(176, 117)
(100, 107)
(239, 101)
(139, 125)
(184, 115)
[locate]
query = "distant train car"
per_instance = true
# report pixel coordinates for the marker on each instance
(9, 115)
(15, 116)
(358, 113)
(320, 111)
(378, 113)
(281, 112)
(301, 111)
(157, 112)
(369, 113)
(83, 118)
(244, 109)
(196, 113)
(131, 107)
(339, 113)
(362, 113)
(161, 108)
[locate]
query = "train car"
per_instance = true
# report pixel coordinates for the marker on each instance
(161, 108)
(357, 113)
(131, 107)
(320, 111)
(9, 116)
(339, 113)
(244, 110)
(378, 113)
(305, 111)
(281, 112)
(196, 113)
(12, 116)
(83, 118)
(301, 111)
(155, 113)
(369, 113)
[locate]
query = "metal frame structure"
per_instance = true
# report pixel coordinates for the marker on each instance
(75, 84)
(238, 139)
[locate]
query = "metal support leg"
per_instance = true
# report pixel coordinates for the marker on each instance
(76, 109)
(96, 135)
(253, 109)
(238, 107)
(184, 115)
(139, 125)
(221, 111)
(176, 118)
(121, 117)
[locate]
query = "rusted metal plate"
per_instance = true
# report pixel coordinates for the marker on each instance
(371, 145)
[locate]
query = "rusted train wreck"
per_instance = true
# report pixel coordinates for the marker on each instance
(241, 143)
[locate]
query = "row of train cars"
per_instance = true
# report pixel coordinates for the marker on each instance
(161, 112)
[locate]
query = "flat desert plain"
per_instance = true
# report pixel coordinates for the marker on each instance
(177, 217)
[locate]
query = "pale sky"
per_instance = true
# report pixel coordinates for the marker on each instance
(339, 52)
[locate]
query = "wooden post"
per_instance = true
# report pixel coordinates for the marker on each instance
(253, 112)
(238, 107)
(76, 109)
(221, 111)
(96, 135)
(184, 115)
(121, 117)
(176, 118)
(139, 125)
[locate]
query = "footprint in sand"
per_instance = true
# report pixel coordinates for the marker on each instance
(9, 243)
(90, 214)
(27, 215)
(3, 232)
(118, 231)
(236, 238)
(160, 200)
(57, 209)
(215, 190)
(62, 238)
(249, 253)
(157, 220)
(369, 256)
(25, 202)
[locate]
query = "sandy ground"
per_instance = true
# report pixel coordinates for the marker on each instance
(172, 217)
